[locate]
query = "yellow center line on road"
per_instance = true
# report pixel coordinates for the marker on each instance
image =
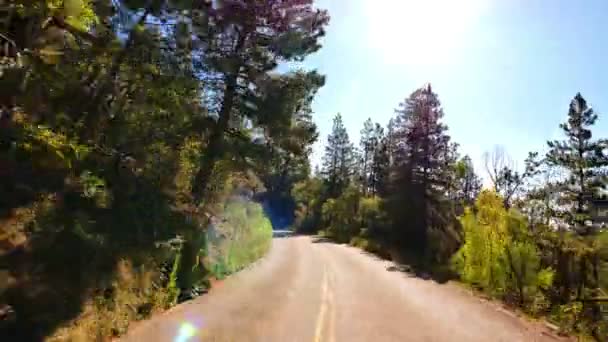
(332, 309)
(323, 308)
(325, 326)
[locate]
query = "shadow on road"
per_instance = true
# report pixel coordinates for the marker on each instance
(440, 274)
(277, 234)
(321, 239)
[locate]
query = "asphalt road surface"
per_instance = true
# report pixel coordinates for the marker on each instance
(306, 290)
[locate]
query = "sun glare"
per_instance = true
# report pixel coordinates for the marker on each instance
(420, 32)
(186, 331)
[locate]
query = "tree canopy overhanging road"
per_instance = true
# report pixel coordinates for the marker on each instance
(148, 148)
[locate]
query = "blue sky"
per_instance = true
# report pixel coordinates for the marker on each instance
(505, 70)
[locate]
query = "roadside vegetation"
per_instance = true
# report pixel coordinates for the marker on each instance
(243, 237)
(139, 142)
(531, 238)
(149, 146)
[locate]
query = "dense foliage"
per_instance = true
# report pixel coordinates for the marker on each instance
(127, 128)
(533, 239)
(144, 143)
(499, 254)
(241, 238)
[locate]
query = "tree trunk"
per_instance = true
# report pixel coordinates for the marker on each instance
(563, 269)
(284, 172)
(595, 293)
(518, 277)
(507, 202)
(93, 119)
(214, 150)
(582, 276)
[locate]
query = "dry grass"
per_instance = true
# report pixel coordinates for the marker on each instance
(131, 296)
(12, 231)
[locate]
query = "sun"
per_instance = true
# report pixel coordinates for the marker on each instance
(420, 32)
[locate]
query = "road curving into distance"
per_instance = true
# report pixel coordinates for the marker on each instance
(309, 290)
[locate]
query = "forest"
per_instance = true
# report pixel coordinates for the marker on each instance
(149, 147)
(140, 143)
(534, 238)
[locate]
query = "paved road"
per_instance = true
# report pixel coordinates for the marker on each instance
(310, 291)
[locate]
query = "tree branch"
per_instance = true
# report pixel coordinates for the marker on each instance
(76, 32)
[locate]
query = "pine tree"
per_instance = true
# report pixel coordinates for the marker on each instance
(583, 158)
(338, 161)
(366, 146)
(423, 160)
(381, 167)
(291, 145)
(241, 43)
(391, 141)
(171, 88)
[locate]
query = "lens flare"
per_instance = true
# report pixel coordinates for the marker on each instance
(186, 331)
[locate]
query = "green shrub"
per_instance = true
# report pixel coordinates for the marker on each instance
(369, 245)
(243, 237)
(131, 295)
(341, 215)
(526, 277)
(172, 288)
(498, 255)
(480, 260)
(570, 317)
(308, 196)
(371, 215)
(359, 242)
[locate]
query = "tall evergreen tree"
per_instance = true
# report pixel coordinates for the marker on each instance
(391, 141)
(338, 161)
(381, 165)
(378, 149)
(289, 148)
(583, 158)
(366, 146)
(422, 162)
(241, 43)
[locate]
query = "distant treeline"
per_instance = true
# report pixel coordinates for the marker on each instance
(533, 239)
